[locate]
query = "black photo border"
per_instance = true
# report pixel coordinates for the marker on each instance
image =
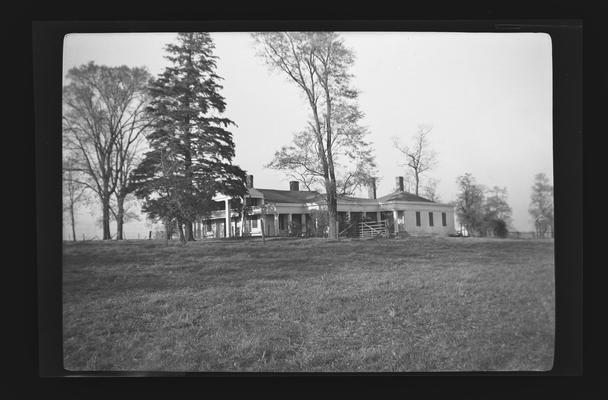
(566, 35)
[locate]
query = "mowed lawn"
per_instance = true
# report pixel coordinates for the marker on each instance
(443, 304)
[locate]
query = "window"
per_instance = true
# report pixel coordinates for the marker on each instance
(254, 223)
(444, 220)
(430, 219)
(417, 218)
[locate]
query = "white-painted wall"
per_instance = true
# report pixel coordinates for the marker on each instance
(425, 228)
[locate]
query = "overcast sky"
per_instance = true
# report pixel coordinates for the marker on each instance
(488, 97)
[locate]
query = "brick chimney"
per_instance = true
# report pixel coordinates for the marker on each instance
(372, 188)
(399, 183)
(249, 181)
(294, 186)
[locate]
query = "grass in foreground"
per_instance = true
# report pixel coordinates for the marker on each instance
(309, 305)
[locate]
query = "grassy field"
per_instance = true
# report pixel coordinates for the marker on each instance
(424, 304)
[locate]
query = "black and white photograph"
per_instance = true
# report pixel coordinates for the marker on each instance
(308, 201)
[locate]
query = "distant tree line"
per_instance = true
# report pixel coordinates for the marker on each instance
(482, 211)
(485, 212)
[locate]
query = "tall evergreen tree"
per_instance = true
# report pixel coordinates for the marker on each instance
(191, 156)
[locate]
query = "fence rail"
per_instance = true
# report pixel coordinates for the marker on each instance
(373, 229)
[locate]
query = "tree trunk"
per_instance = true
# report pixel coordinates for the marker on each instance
(105, 210)
(333, 219)
(417, 182)
(332, 204)
(332, 199)
(73, 222)
(120, 216)
(189, 231)
(182, 238)
(167, 231)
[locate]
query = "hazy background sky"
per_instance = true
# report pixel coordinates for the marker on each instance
(488, 97)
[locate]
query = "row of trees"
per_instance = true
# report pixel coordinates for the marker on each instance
(482, 211)
(332, 151)
(165, 140)
(109, 112)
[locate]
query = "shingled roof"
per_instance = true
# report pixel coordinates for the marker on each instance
(403, 196)
(289, 196)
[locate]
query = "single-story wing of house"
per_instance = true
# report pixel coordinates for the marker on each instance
(296, 212)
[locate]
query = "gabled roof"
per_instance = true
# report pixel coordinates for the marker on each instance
(288, 196)
(403, 196)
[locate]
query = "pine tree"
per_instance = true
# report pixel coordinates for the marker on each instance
(191, 156)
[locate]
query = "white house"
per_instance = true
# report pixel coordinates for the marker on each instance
(297, 212)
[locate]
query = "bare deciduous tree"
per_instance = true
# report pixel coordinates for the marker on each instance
(353, 162)
(74, 193)
(103, 124)
(419, 158)
(318, 63)
(429, 189)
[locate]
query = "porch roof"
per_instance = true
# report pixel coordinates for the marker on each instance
(289, 196)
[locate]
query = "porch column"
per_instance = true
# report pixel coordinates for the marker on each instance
(396, 221)
(289, 220)
(378, 216)
(243, 221)
(303, 223)
(276, 224)
(227, 223)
